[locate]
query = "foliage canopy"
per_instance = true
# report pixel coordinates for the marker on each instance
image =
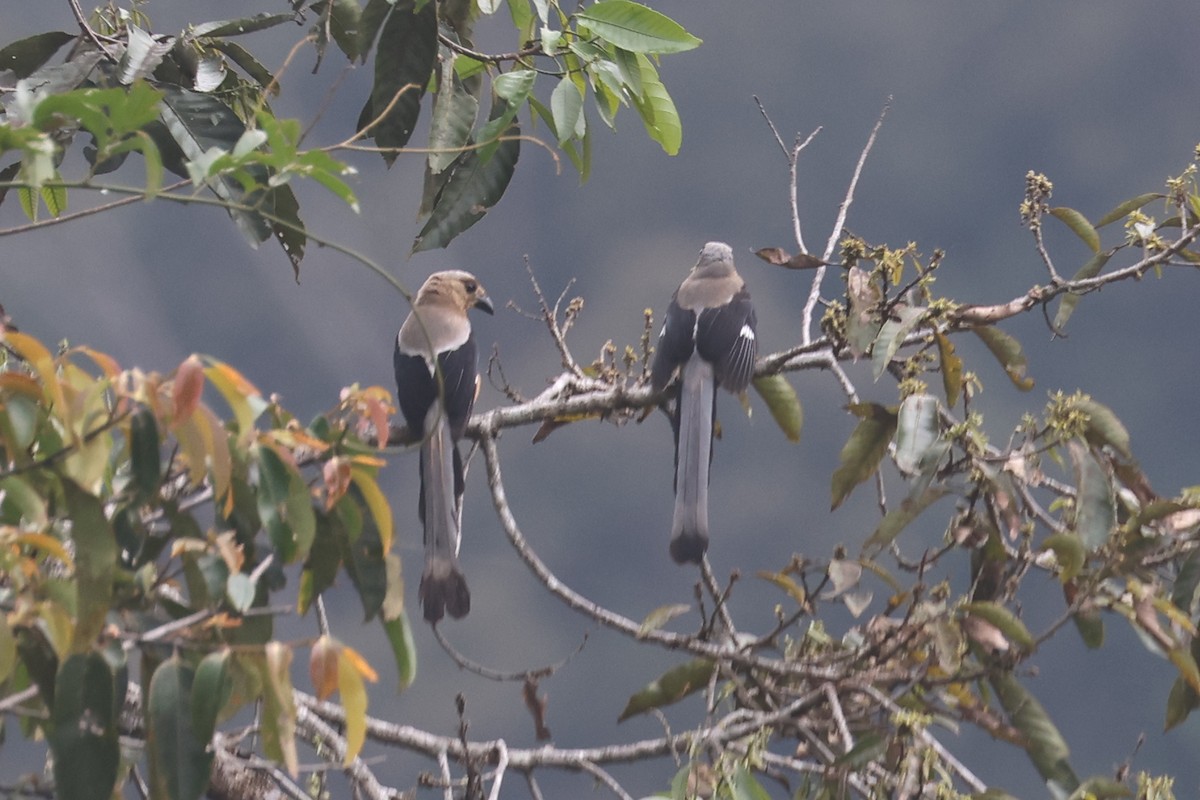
(153, 525)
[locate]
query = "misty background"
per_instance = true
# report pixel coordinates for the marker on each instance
(1101, 96)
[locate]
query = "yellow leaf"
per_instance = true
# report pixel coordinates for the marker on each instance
(47, 544)
(279, 735)
(59, 627)
(194, 440)
(8, 650)
(243, 398)
(368, 461)
(220, 461)
(376, 502)
(354, 704)
(38, 357)
(787, 584)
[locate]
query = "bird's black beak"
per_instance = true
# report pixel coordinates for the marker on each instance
(484, 303)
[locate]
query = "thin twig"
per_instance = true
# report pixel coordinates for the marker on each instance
(608, 780)
(610, 618)
(814, 293)
(501, 766)
(839, 717)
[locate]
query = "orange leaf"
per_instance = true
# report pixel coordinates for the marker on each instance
(107, 364)
(188, 386)
(360, 664)
(336, 473)
(323, 667)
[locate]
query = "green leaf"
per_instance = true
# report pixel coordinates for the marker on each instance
(864, 450)
(454, 112)
(83, 729)
(321, 567)
(25, 56)
(404, 650)
(344, 25)
(362, 551)
(867, 749)
(746, 787)
(144, 459)
(1046, 748)
(95, 563)
(1090, 626)
(240, 590)
(245, 60)
(1100, 788)
(180, 763)
(674, 685)
(1105, 428)
(566, 106)
(285, 506)
(55, 198)
(917, 431)
(661, 616)
(891, 336)
(1069, 551)
(1004, 620)
(952, 368)
(1126, 208)
(21, 505)
(211, 690)
(1078, 223)
(1095, 500)
(636, 28)
(404, 61)
(899, 518)
(237, 27)
(1181, 702)
(197, 123)
(657, 109)
(1090, 269)
(474, 186)
(1008, 352)
(782, 402)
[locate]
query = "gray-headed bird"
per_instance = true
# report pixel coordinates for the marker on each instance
(709, 337)
(436, 384)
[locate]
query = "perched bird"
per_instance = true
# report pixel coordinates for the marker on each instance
(709, 337)
(436, 384)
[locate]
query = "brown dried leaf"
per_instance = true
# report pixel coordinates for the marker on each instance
(778, 257)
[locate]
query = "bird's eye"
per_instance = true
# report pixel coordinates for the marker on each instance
(471, 286)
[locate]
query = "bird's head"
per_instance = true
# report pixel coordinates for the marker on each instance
(716, 261)
(459, 288)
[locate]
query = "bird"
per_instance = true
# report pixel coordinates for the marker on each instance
(709, 337)
(437, 381)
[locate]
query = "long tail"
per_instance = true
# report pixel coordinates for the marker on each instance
(443, 585)
(693, 452)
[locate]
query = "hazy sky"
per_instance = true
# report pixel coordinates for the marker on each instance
(1099, 95)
